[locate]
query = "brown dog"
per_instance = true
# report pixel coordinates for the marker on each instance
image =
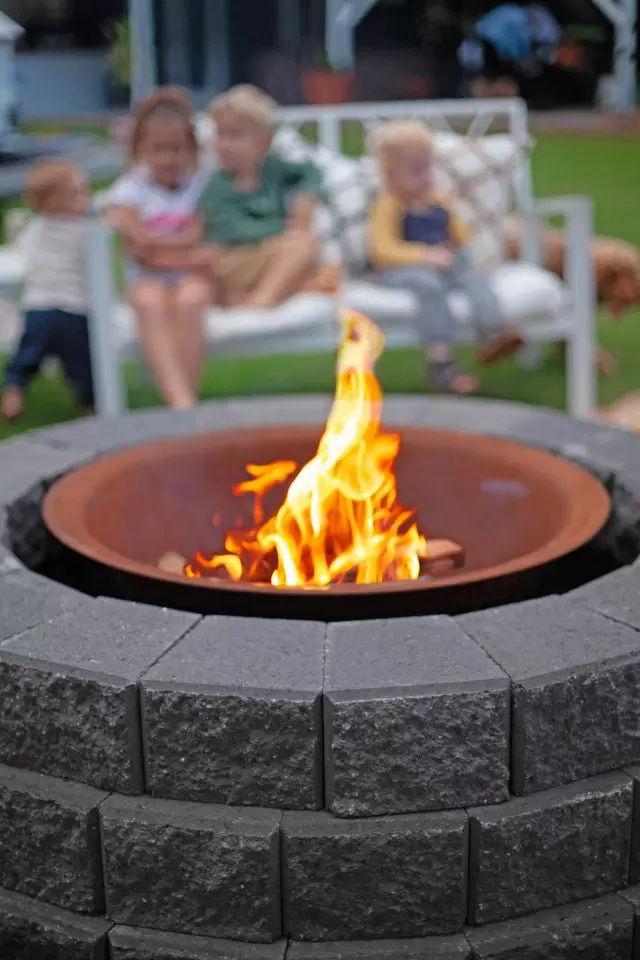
(616, 266)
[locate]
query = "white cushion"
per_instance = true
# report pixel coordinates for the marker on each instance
(526, 294)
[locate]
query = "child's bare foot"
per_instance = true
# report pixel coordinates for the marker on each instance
(11, 403)
(605, 363)
(493, 351)
(446, 378)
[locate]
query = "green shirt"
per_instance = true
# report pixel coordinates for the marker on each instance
(233, 217)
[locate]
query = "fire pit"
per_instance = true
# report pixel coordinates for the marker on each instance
(488, 520)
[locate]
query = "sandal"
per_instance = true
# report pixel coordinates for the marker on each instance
(446, 378)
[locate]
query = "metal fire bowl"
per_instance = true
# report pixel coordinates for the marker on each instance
(516, 511)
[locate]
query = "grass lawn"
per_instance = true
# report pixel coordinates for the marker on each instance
(606, 168)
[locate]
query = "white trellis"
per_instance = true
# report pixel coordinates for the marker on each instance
(343, 17)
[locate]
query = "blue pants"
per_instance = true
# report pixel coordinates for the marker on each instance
(430, 287)
(54, 333)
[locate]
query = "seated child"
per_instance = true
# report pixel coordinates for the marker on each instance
(257, 209)
(154, 207)
(418, 244)
(53, 245)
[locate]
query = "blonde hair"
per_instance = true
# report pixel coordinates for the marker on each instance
(46, 177)
(391, 140)
(249, 103)
(164, 103)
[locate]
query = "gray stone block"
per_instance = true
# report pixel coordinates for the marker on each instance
(616, 596)
(27, 470)
(634, 863)
(9, 563)
(49, 840)
(27, 600)
(128, 943)
(453, 947)
(192, 868)
(631, 896)
(416, 718)
(477, 415)
(274, 411)
(592, 930)
(232, 714)
(69, 703)
(575, 678)
(389, 877)
(557, 847)
(31, 930)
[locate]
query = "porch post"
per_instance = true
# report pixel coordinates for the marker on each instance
(342, 18)
(143, 51)
(623, 15)
(288, 25)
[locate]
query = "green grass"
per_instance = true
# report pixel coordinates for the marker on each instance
(603, 167)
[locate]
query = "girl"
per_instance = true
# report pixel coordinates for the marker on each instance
(154, 208)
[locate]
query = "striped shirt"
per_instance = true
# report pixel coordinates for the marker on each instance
(54, 251)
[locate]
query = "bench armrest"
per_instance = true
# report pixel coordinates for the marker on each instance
(577, 216)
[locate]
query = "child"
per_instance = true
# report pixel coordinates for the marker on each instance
(257, 208)
(55, 295)
(418, 244)
(154, 208)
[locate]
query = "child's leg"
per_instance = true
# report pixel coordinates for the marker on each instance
(25, 363)
(70, 344)
(497, 340)
(192, 296)
(435, 323)
(152, 303)
(289, 260)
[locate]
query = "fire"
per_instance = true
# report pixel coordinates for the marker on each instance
(341, 520)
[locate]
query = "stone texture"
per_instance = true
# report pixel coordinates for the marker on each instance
(453, 947)
(192, 868)
(416, 718)
(27, 600)
(391, 877)
(31, 930)
(127, 943)
(575, 677)
(632, 897)
(616, 596)
(634, 863)
(69, 703)
(9, 563)
(557, 847)
(232, 714)
(592, 930)
(49, 840)
(27, 470)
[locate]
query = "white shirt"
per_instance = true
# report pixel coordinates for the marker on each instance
(54, 252)
(162, 211)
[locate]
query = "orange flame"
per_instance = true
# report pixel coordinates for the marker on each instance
(341, 519)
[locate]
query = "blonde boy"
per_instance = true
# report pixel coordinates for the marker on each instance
(257, 209)
(418, 244)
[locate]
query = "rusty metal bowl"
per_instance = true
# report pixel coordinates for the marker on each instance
(516, 511)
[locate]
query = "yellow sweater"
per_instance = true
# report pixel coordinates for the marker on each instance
(386, 244)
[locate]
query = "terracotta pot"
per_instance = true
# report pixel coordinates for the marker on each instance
(327, 86)
(416, 87)
(571, 55)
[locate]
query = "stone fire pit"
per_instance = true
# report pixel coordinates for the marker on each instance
(177, 786)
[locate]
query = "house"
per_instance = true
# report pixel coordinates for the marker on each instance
(9, 33)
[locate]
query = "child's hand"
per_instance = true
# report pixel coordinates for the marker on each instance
(203, 257)
(439, 257)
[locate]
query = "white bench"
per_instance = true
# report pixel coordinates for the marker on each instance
(307, 323)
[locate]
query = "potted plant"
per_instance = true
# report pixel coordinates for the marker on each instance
(321, 84)
(118, 33)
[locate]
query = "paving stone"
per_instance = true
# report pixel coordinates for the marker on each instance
(388, 877)
(557, 847)
(592, 930)
(27, 600)
(32, 930)
(192, 868)
(489, 417)
(232, 714)
(69, 703)
(49, 840)
(274, 411)
(575, 676)
(616, 596)
(9, 563)
(453, 947)
(416, 718)
(128, 943)
(27, 470)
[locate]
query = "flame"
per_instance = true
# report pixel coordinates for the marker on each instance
(341, 520)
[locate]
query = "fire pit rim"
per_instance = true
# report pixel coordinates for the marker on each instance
(65, 522)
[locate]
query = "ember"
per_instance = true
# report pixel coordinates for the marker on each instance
(341, 520)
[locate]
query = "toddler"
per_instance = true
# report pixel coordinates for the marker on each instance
(257, 208)
(418, 244)
(55, 300)
(154, 207)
